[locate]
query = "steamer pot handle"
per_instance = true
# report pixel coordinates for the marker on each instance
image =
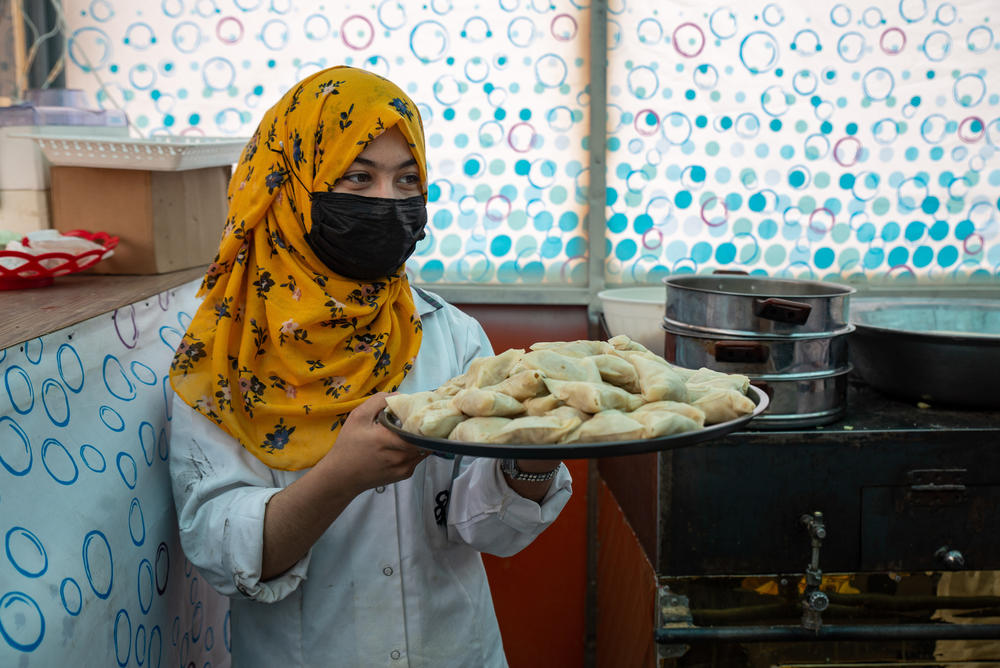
(741, 351)
(781, 310)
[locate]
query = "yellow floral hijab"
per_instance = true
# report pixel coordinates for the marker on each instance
(281, 348)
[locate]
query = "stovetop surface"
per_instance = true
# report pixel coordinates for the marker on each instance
(872, 413)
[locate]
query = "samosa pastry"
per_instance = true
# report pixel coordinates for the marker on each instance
(657, 382)
(704, 380)
(477, 429)
(486, 371)
(568, 412)
(452, 386)
(479, 402)
(542, 405)
(687, 410)
(403, 405)
(531, 430)
(622, 342)
(581, 348)
(561, 367)
(606, 426)
(435, 419)
(617, 371)
(722, 405)
(664, 422)
(521, 385)
(593, 397)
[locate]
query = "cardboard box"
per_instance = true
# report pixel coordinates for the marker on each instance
(165, 220)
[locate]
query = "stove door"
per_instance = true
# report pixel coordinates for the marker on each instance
(938, 524)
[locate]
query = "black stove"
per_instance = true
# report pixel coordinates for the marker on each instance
(900, 487)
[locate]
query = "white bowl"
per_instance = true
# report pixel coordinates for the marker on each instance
(637, 313)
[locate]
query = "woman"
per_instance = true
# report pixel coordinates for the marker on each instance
(339, 543)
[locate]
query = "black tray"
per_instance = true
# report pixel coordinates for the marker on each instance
(577, 450)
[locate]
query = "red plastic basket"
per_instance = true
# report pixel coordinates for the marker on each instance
(37, 271)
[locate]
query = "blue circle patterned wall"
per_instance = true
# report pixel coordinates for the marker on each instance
(850, 140)
(91, 568)
(501, 85)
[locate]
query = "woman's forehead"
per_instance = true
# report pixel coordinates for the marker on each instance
(388, 149)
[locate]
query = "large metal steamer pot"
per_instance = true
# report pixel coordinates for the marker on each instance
(788, 336)
(942, 351)
(744, 305)
(760, 354)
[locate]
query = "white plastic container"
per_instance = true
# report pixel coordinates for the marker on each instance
(154, 154)
(636, 312)
(24, 170)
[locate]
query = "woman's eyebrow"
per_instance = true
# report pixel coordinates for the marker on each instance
(372, 163)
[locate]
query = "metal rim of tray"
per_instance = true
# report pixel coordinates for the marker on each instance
(578, 450)
(865, 305)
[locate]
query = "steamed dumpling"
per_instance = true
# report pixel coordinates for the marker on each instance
(664, 423)
(657, 382)
(540, 430)
(704, 380)
(521, 385)
(477, 429)
(617, 371)
(561, 367)
(486, 371)
(687, 410)
(435, 419)
(403, 405)
(722, 405)
(579, 348)
(568, 412)
(542, 405)
(606, 426)
(593, 397)
(480, 402)
(622, 342)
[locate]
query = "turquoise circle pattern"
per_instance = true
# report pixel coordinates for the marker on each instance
(502, 88)
(841, 141)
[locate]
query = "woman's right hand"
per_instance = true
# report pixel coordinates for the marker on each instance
(366, 454)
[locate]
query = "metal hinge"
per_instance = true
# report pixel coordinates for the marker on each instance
(673, 610)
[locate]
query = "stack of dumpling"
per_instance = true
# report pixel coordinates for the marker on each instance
(573, 392)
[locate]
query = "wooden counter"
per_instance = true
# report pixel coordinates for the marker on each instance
(71, 299)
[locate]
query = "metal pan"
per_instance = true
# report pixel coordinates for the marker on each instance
(577, 450)
(937, 350)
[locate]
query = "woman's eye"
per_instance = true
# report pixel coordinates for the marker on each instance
(357, 178)
(410, 179)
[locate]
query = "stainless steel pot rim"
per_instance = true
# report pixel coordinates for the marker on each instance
(697, 331)
(798, 377)
(775, 287)
(798, 419)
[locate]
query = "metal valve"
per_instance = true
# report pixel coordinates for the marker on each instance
(951, 559)
(817, 601)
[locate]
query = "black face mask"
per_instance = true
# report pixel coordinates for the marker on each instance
(365, 237)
